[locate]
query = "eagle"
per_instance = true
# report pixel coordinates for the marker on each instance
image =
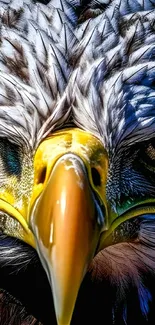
(77, 162)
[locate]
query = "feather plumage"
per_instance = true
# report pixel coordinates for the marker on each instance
(90, 64)
(34, 67)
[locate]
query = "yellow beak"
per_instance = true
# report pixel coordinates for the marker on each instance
(65, 223)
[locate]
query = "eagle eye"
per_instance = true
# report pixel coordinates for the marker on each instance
(150, 151)
(10, 155)
(145, 155)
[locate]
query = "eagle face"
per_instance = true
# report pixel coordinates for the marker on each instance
(77, 150)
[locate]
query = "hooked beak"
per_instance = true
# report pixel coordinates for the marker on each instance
(66, 227)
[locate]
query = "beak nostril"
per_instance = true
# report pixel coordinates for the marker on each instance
(42, 176)
(96, 177)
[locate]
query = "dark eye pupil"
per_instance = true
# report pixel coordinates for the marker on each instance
(96, 177)
(11, 158)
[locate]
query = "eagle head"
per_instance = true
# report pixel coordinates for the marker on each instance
(77, 149)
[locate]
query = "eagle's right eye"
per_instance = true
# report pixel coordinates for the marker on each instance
(10, 155)
(146, 155)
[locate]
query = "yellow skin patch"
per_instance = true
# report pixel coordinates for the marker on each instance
(14, 202)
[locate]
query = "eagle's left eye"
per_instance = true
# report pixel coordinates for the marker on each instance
(150, 151)
(147, 155)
